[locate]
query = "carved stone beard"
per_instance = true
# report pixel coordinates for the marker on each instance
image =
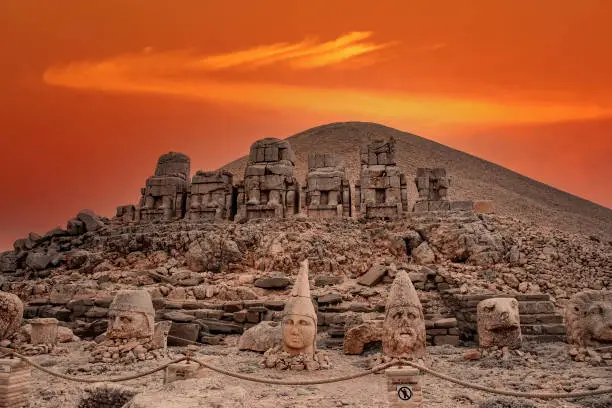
(404, 332)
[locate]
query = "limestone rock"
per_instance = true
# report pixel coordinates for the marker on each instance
(272, 282)
(498, 323)
(373, 275)
(423, 254)
(38, 260)
(91, 221)
(261, 337)
(358, 336)
(11, 311)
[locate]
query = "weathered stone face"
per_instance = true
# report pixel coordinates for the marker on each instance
(131, 315)
(499, 323)
(588, 318)
(299, 334)
(299, 317)
(404, 325)
(11, 311)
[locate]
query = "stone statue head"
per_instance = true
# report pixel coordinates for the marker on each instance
(404, 325)
(588, 318)
(299, 317)
(499, 323)
(131, 315)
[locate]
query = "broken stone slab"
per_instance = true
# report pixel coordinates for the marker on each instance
(326, 280)
(272, 282)
(373, 275)
(331, 298)
(218, 326)
(446, 323)
(178, 317)
(181, 334)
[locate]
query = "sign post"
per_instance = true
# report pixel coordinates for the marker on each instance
(404, 388)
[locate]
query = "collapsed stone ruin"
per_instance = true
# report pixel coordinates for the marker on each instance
(382, 190)
(327, 190)
(270, 190)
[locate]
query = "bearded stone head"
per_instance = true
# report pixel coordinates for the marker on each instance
(404, 326)
(131, 315)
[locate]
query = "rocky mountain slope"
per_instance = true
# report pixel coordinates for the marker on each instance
(472, 177)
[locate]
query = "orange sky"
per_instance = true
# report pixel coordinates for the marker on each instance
(93, 92)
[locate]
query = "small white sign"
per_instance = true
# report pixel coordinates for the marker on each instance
(404, 392)
(5, 369)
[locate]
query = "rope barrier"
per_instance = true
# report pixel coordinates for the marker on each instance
(96, 379)
(509, 392)
(312, 382)
(294, 382)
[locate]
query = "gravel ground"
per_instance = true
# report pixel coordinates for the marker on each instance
(540, 368)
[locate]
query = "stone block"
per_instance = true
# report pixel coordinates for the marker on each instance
(461, 205)
(446, 323)
(420, 206)
(183, 334)
(218, 326)
(331, 298)
(373, 275)
(537, 307)
(439, 205)
(272, 282)
(181, 371)
(446, 339)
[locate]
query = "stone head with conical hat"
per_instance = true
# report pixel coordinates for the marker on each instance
(300, 317)
(131, 315)
(404, 325)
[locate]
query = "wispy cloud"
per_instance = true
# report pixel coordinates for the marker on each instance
(171, 73)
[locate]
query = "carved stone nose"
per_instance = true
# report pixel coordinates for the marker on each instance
(504, 315)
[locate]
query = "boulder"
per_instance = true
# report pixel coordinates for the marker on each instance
(261, 337)
(11, 311)
(90, 219)
(423, 254)
(38, 260)
(373, 275)
(358, 336)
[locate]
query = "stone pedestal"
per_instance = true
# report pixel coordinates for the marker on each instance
(180, 371)
(44, 331)
(15, 383)
(404, 388)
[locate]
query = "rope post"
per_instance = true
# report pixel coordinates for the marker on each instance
(44, 330)
(180, 371)
(404, 388)
(15, 383)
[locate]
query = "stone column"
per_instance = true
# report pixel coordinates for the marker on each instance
(15, 383)
(404, 388)
(44, 331)
(181, 371)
